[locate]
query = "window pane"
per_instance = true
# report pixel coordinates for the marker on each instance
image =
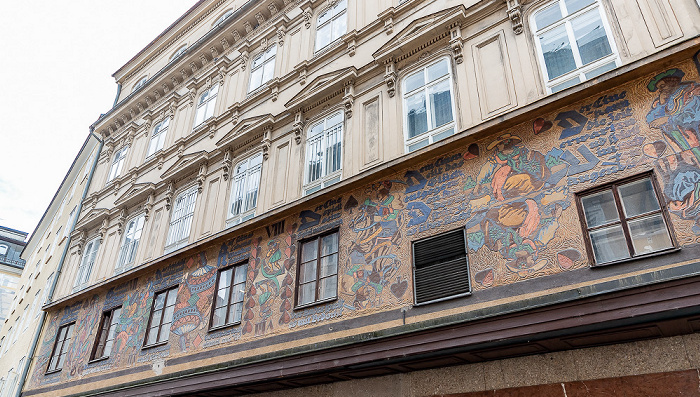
(649, 234)
(609, 244)
(164, 333)
(172, 294)
(307, 293)
(309, 250)
(339, 27)
(438, 70)
(565, 85)
(414, 81)
(329, 265)
(590, 36)
(222, 297)
(418, 145)
(255, 78)
(638, 197)
(235, 312)
(574, 5)
(323, 36)
(329, 244)
(152, 335)
(240, 274)
(219, 317)
(328, 288)
(558, 57)
(440, 103)
(325, 17)
(417, 118)
(600, 70)
(443, 134)
(268, 71)
(160, 301)
(600, 208)
(307, 272)
(548, 16)
(225, 279)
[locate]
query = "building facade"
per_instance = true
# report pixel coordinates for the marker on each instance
(43, 255)
(380, 196)
(11, 265)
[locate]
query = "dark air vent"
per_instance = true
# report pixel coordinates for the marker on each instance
(441, 268)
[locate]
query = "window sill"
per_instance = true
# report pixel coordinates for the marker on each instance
(55, 371)
(97, 360)
(634, 258)
(146, 347)
(462, 295)
(222, 327)
(317, 303)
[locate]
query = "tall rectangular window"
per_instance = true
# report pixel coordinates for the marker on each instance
(324, 147)
(624, 220)
(86, 264)
(244, 190)
(428, 105)
(117, 163)
(205, 105)
(127, 251)
(60, 347)
(160, 131)
(440, 267)
(262, 69)
(161, 317)
(318, 269)
(573, 41)
(106, 333)
(181, 220)
(331, 24)
(228, 302)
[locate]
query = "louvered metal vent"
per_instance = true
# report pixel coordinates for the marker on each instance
(441, 268)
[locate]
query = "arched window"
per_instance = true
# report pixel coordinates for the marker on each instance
(181, 220)
(158, 138)
(140, 83)
(331, 24)
(222, 17)
(574, 42)
(244, 190)
(86, 264)
(324, 153)
(428, 105)
(179, 52)
(262, 69)
(205, 105)
(127, 251)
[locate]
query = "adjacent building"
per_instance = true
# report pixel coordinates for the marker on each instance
(43, 253)
(408, 198)
(11, 265)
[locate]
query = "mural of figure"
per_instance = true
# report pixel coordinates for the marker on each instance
(371, 257)
(682, 188)
(518, 222)
(676, 110)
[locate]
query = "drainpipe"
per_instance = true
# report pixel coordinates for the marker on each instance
(54, 282)
(116, 100)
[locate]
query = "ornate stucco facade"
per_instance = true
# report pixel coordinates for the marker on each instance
(510, 154)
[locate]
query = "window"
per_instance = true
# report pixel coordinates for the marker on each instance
(3, 249)
(262, 69)
(624, 220)
(228, 305)
(561, 23)
(69, 224)
(222, 17)
(140, 83)
(86, 264)
(205, 105)
(60, 347)
(428, 105)
(332, 24)
(323, 153)
(161, 317)
(440, 266)
(132, 236)
(179, 52)
(160, 131)
(318, 269)
(181, 220)
(117, 163)
(244, 190)
(106, 333)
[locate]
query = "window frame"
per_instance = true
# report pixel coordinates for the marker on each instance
(159, 133)
(140, 83)
(222, 18)
(85, 268)
(333, 18)
(581, 69)
(184, 239)
(317, 280)
(249, 213)
(325, 179)
(117, 165)
(181, 50)
(71, 329)
(430, 133)
(241, 265)
(166, 291)
(623, 219)
(103, 337)
(203, 105)
(266, 60)
(124, 266)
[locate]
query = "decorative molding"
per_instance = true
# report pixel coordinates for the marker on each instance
(260, 18)
(298, 126)
(224, 43)
(352, 47)
(103, 228)
(515, 15)
(281, 33)
(121, 221)
(148, 207)
(349, 98)
(390, 77)
(248, 27)
(202, 176)
(456, 43)
(266, 141)
(322, 89)
(244, 129)
(227, 164)
(273, 9)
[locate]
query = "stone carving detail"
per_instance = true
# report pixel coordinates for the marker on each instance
(156, 94)
(244, 59)
(149, 101)
(80, 241)
(266, 142)
(166, 88)
(456, 43)
(121, 220)
(260, 18)
(515, 15)
(298, 126)
(281, 33)
(214, 52)
(389, 25)
(184, 73)
(390, 77)
(349, 98)
(236, 36)
(247, 26)
(148, 206)
(103, 229)
(302, 75)
(169, 191)
(307, 17)
(275, 91)
(201, 177)
(273, 9)
(352, 47)
(204, 59)
(227, 164)
(224, 43)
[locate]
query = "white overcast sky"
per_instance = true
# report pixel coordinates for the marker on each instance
(56, 64)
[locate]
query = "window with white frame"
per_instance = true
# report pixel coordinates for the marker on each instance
(574, 42)
(324, 153)
(3, 249)
(117, 163)
(160, 131)
(140, 83)
(331, 24)
(428, 105)
(262, 69)
(222, 17)
(181, 220)
(244, 190)
(179, 52)
(205, 105)
(87, 262)
(127, 251)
